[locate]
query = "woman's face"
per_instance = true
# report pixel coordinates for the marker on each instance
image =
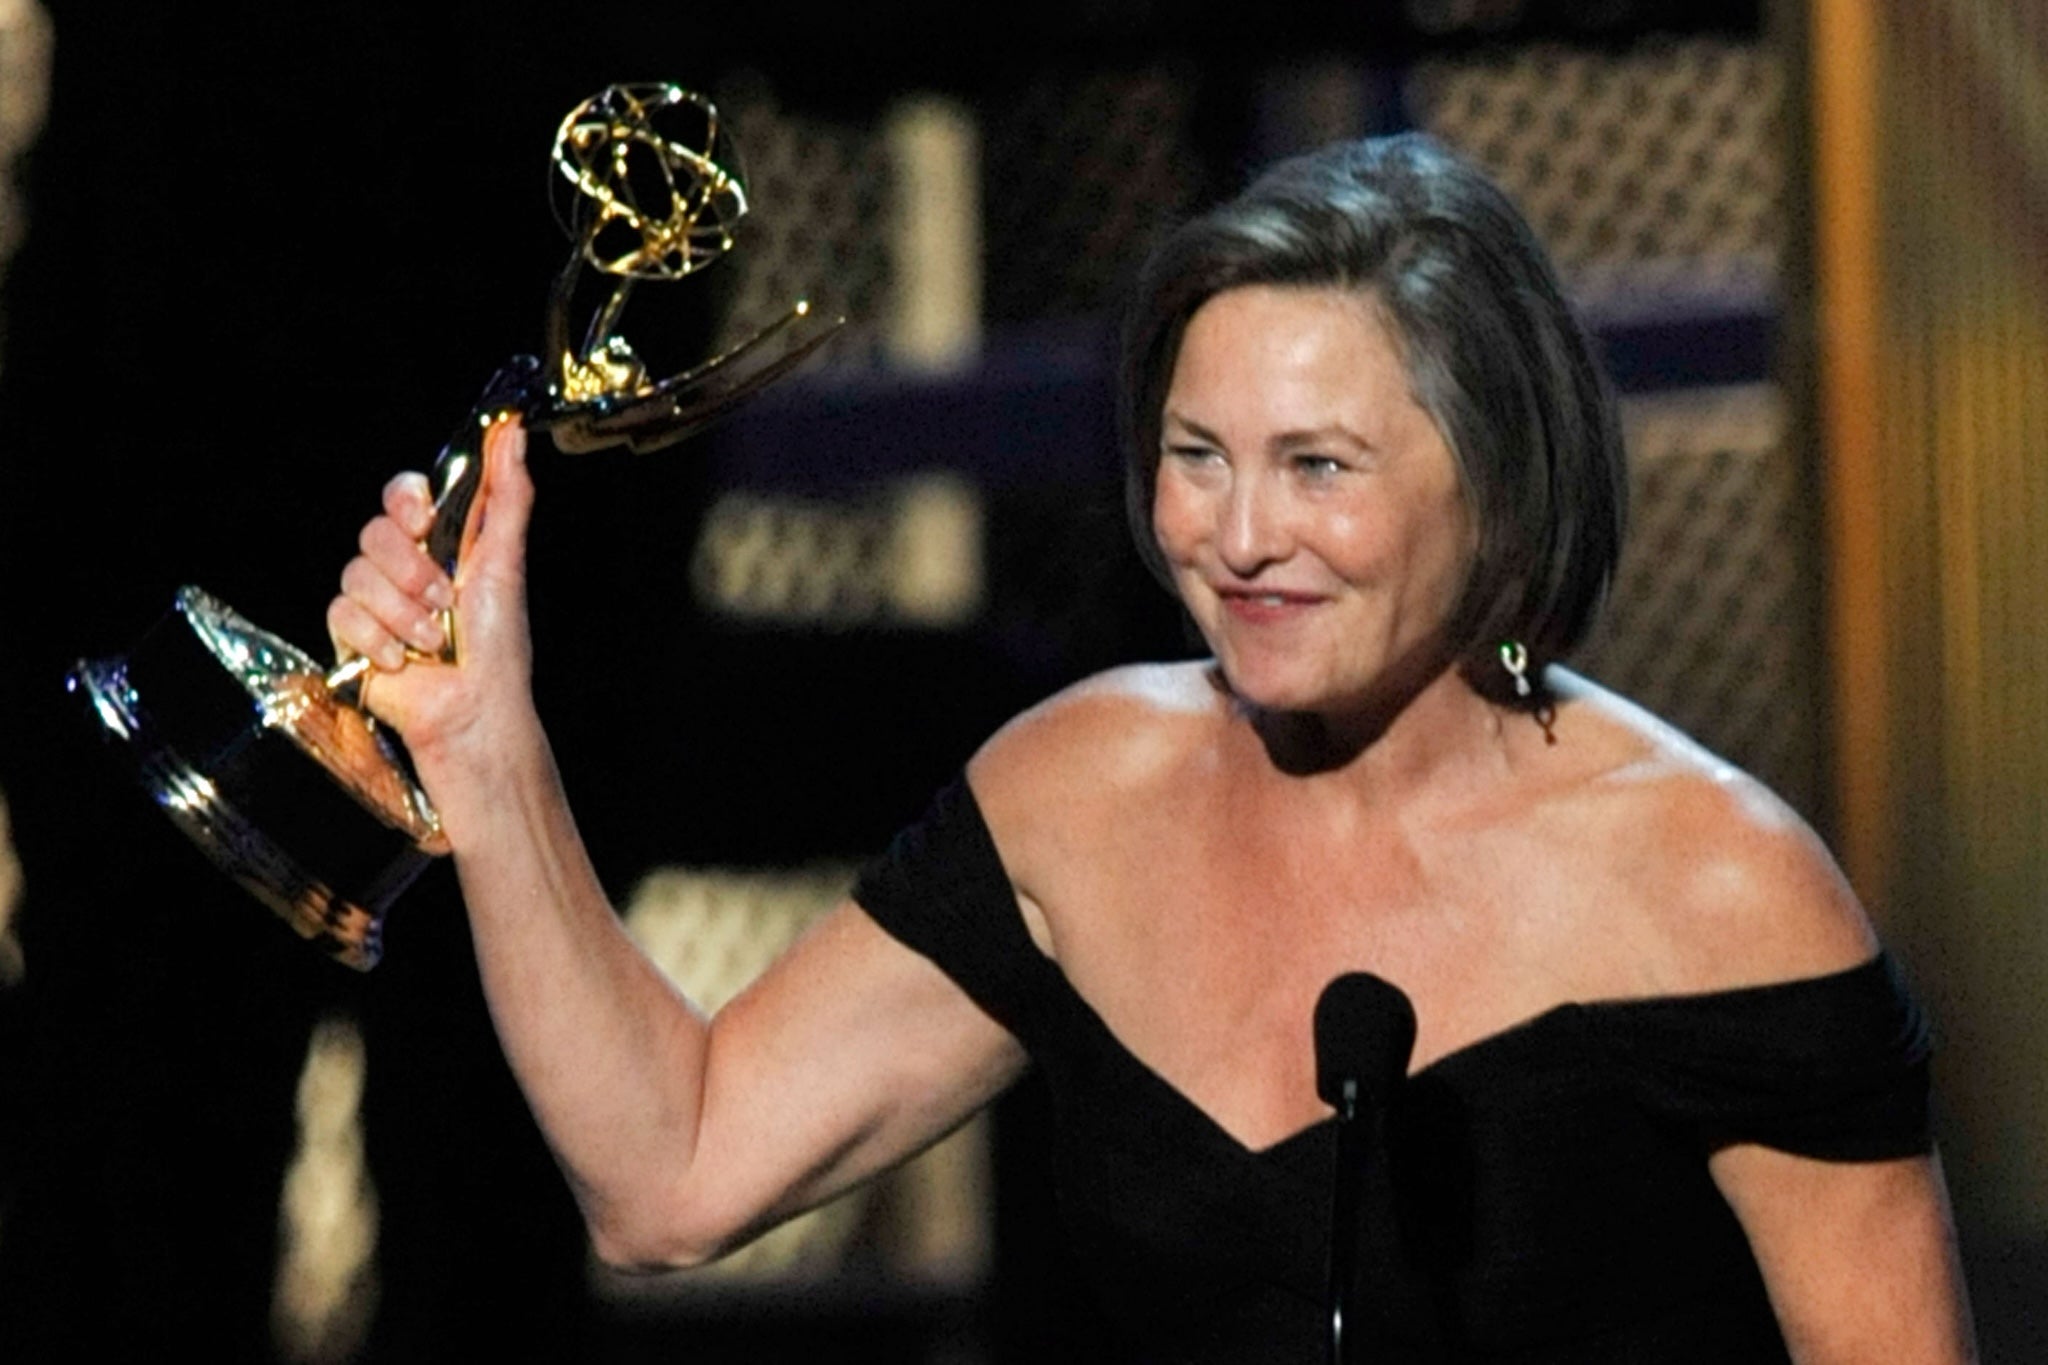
(1310, 510)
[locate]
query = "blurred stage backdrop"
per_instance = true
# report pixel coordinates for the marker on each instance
(259, 257)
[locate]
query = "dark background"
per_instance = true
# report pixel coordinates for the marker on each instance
(273, 252)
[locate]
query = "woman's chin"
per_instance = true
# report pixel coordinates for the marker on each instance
(1278, 694)
(1338, 702)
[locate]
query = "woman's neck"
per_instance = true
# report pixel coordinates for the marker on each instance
(1442, 732)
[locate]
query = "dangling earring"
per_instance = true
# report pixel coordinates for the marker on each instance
(1514, 657)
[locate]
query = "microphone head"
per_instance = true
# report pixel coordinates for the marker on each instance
(1365, 1032)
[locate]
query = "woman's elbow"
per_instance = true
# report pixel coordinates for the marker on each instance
(640, 1239)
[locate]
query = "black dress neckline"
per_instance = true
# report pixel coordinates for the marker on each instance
(1541, 1194)
(1468, 1054)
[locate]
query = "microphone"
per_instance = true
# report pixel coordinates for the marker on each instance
(1365, 1034)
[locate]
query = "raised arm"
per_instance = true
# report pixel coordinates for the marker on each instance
(681, 1136)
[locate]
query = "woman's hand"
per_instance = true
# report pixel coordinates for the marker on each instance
(454, 719)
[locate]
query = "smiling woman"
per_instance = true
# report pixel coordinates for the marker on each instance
(1667, 1101)
(1486, 346)
(1310, 512)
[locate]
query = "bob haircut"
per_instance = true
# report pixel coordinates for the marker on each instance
(1494, 355)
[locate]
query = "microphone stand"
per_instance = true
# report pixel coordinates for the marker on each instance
(1344, 1214)
(1364, 1035)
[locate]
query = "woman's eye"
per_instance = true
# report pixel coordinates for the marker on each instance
(1318, 466)
(1193, 454)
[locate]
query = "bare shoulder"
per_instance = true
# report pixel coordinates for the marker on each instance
(1127, 727)
(1106, 746)
(1736, 888)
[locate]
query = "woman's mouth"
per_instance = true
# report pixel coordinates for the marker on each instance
(1265, 607)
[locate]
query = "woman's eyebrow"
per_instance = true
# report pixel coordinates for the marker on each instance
(1309, 436)
(1191, 427)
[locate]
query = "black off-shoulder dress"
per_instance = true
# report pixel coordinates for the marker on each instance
(1541, 1195)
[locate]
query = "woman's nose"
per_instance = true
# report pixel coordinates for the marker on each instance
(1254, 532)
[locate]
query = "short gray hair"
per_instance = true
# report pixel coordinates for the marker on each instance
(1494, 355)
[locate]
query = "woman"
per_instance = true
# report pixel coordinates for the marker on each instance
(1666, 1102)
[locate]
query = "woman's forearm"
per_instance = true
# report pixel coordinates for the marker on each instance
(678, 1138)
(611, 1057)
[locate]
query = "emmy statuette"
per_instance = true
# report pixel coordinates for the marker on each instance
(264, 757)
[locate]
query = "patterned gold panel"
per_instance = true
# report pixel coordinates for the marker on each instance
(1710, 622)
(26, 45)
(1082, 171)
(912, 555)
(822, 197)
(26, 42)
(326, 1291)
(11, 962)
(713, 931)
(1656, 168)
